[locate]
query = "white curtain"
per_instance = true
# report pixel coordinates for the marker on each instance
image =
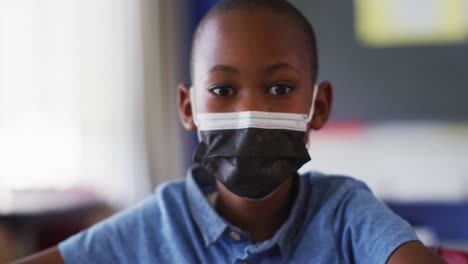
(74, 97)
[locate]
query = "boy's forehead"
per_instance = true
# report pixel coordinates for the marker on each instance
(250, 38)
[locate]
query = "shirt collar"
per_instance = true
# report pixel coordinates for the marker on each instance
(212, 225)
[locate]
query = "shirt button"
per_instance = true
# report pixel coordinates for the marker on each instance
(234, 235)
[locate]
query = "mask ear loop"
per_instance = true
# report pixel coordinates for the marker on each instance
(194, 111)
(312, 107)
(193, 105)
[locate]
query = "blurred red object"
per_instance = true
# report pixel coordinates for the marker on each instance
(453, 256)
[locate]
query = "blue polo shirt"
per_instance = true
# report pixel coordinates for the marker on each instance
(334, 219)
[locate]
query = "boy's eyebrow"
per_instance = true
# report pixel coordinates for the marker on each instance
(280, 66)
(224, 68)
(269, 69)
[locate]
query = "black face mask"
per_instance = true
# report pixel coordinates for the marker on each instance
(252, 162)
(252, 153)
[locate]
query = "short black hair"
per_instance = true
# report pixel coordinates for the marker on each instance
(281, 7)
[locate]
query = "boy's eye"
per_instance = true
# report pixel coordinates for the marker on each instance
(222, 90)
(279, 89)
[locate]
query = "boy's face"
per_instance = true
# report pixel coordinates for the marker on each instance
(257, 61)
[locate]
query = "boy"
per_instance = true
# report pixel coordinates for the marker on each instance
(253, 102)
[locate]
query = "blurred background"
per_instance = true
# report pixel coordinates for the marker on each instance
(88, 121)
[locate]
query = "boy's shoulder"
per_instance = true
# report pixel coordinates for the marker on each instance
(125, 235)
(331, 180)
(323, 187)
(345, 209)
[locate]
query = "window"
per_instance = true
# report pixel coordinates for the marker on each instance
(72, 97)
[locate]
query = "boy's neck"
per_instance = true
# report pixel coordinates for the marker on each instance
(260, 218)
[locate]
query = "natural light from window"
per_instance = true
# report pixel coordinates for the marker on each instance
(39, 115)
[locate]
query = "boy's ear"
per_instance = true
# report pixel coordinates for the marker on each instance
(185, 107)
(323, 105)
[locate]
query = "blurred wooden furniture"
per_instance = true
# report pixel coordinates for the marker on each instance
(7, 244)
(35, 220)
